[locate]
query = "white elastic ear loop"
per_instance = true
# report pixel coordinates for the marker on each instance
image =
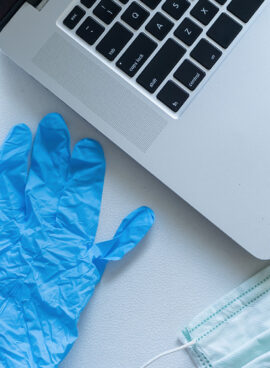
(168, 352)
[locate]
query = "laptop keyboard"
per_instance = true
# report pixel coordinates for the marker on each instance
(165, 48)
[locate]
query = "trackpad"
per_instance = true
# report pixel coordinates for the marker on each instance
(100, 92)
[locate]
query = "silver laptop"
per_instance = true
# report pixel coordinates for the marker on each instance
(182, 86)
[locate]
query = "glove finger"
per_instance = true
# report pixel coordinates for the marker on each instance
(131, 231)
(80, 202)
(49, 167)
(13, 169)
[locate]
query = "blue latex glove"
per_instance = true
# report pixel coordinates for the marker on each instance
(49, 263)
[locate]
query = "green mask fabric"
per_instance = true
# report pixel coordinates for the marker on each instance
(235, 331)
(232, 333)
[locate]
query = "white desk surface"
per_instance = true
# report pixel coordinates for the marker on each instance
(183, 265)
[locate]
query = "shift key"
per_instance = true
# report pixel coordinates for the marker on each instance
(161, 65)
(136, 55)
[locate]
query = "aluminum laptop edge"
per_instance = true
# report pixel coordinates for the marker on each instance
(214, 152)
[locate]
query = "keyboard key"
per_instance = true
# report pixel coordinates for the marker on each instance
(159, 26)
(188, 32)
(204, 11)
(173, 96)
(123, 1)
(221, 2)
(136, 55)
(88, 3)
(161, 65)
(74, 17)
(176, 8)
(189, 75)
(114, 41)
(152, 4)
(106, 10)
(135, 15)
(206, 54)
(244, 9)
(224, 30)
(90, 31)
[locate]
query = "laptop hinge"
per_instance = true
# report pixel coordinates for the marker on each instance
(9, 7)
(35, 3)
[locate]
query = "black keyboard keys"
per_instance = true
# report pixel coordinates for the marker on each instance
(136, 55)
(224, 30)
(74, 17)
(221, 2)
(159, 26)
(176, 8)
(188, 32)
(152, 4)
(88, 3)
(206, 54)
(204, 11)
(161, 65)
(189, 75)
(244, 9)
(135, 15)
(107, 10)
(90, 31)
(114, 41)
(173, 96)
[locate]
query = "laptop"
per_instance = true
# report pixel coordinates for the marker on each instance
(182, 86)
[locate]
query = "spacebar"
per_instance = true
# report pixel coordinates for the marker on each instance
(161, 65)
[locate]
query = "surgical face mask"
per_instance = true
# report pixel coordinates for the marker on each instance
(234, 332)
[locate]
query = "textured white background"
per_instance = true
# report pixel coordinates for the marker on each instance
(183, 265)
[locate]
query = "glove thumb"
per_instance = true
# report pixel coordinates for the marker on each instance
(131, 231)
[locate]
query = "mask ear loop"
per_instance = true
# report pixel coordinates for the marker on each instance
(168, 352)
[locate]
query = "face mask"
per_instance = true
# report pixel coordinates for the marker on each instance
(234, 332)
